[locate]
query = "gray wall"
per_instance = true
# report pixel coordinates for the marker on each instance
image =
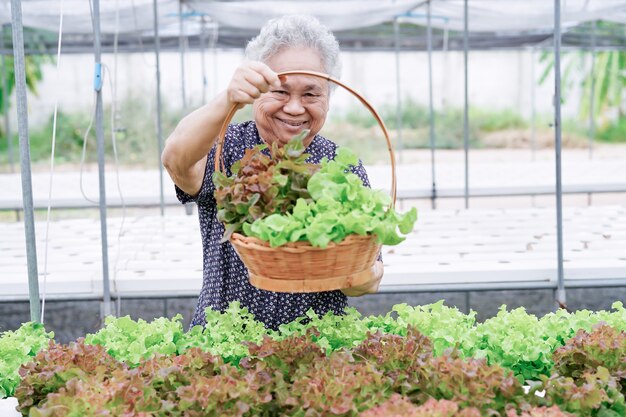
(72, 319)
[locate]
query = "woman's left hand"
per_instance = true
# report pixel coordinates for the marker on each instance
(369, 287)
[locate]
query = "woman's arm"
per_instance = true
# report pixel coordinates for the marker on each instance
(186, 149)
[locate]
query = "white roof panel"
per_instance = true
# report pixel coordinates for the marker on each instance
(136, 16)
(336, 15)
(516, 15)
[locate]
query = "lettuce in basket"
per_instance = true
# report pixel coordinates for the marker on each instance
(339, 205)
(262, 185)
(281, 198)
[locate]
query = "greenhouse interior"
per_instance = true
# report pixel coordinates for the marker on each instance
(313, 208)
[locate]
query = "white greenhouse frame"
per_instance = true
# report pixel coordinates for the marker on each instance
(166, 15)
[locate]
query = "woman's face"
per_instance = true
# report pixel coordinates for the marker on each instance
(300, 103)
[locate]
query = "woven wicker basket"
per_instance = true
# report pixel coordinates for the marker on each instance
(300, 267)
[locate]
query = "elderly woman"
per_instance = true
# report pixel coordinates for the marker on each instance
(282, 108)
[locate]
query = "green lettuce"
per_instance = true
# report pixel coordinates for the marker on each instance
(341, 205)
(17, 348)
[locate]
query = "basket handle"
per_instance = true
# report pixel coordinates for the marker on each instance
(222, 135)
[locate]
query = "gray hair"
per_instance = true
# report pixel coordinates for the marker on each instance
(296, 31)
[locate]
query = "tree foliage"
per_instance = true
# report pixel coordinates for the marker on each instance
(605, 80)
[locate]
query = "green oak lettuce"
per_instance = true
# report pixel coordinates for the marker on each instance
(19, 347)
(341, 205)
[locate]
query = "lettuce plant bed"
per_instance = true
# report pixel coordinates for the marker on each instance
(428, 360)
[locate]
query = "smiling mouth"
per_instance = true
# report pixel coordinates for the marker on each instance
(292, 123)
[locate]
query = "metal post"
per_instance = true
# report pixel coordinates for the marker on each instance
(431, 113)
(533, 133)
(181, 47)
(560, 292)
(592, 93)
(203, 57)
(27, 186)
(106, 291)
(214, 54)
(446, 67)
(466, 106)
(157, 48)
(5, 97)
(396, 32)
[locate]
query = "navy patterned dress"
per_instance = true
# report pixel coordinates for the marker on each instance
(225, 276)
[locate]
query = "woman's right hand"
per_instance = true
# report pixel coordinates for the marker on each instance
(250, 80)
(186, 149)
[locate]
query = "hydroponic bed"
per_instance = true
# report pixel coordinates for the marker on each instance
(416, 361)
